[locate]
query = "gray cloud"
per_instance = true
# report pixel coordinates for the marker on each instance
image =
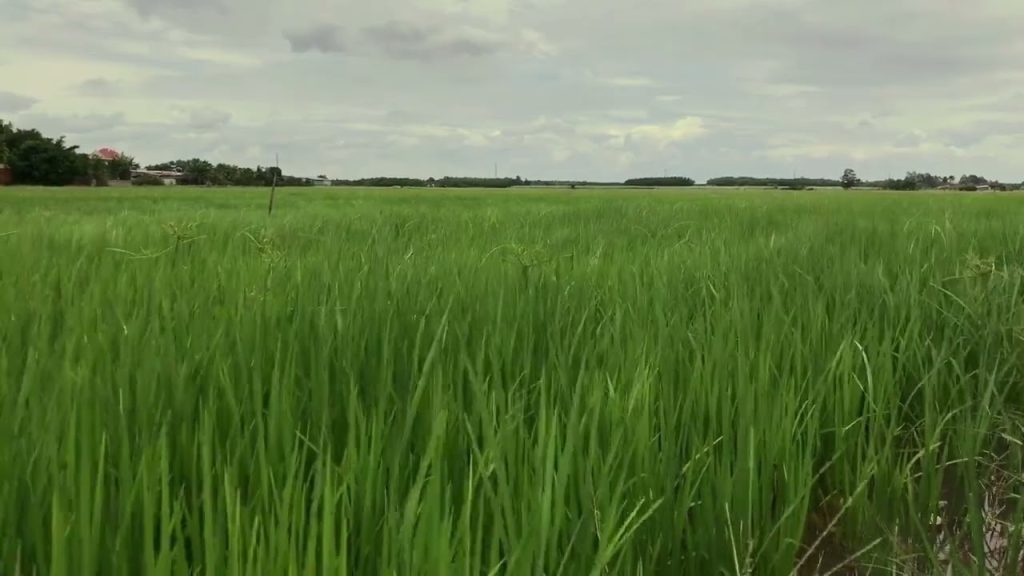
(983, 130)
(13, 103)
(405, 40)
(398, 40)
(324, 38)
(150, 7)
(98, 87)
(205, 119)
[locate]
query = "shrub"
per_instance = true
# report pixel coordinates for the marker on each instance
(674, 181)
(147, 180)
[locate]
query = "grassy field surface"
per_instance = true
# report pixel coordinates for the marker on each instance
(542, 382)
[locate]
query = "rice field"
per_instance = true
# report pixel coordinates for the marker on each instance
(406, 382)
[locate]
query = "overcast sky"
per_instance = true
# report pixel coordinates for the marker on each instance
(599, 89)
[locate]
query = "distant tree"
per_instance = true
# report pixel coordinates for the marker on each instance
(973, 180)
(6, 129)
(464, 182)
(849, 179)
(120, 168)
(246, 177)
(224, 175)
(197, 171)
(907, 183)
(38, 160)
(671, 181)
(99, 172)
(925, 180)
(272, 173)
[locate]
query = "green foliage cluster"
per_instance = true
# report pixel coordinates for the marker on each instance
(668, 181)
(148, 180)
(849, 179)
(199, 172)
(35, 159)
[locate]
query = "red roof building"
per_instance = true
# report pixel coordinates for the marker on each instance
(106, 154)
(6, 177)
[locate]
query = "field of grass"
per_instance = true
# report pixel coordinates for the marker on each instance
(409, 382)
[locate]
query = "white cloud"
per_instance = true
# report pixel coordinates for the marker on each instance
(665, 134)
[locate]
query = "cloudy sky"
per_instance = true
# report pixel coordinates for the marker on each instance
(599, 89)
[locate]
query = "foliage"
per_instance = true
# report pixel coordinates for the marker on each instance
(147, 180)
(973, 180)
(120, 168)
(199, 172)
(97, 170)
(907, 183)
(6, 129)
(37, 160)
(453, 182)
(672, 181)
(849, 179)
(384, 182)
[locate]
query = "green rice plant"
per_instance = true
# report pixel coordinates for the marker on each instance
(462, 382)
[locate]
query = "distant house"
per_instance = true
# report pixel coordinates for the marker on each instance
(168, 178)
(106, 154)
(109, 155)
(319, 181)
(967, 187)
(6, 176)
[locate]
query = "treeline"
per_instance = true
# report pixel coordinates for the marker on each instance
(198, 172)
(571, 183)
(795, 183)
(446, 182)
(669, 181)
(36, 160)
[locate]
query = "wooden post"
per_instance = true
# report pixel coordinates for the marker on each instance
(273, 187)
